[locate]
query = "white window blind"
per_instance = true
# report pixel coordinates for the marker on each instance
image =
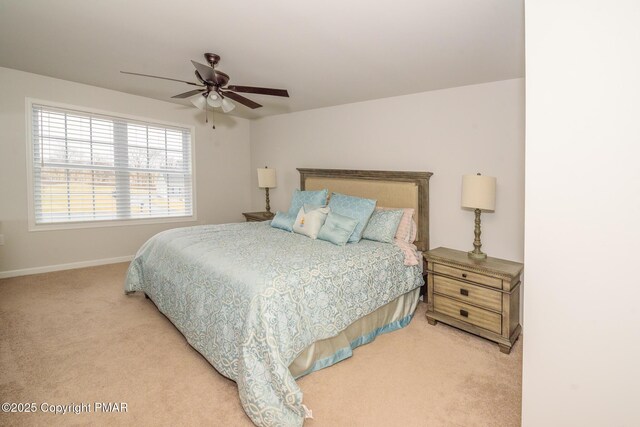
(90, 167)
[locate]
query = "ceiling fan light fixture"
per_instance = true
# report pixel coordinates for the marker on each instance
(199, 101)
(214, 100)
(227, 105)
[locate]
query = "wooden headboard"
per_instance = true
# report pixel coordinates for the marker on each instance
(392, 189)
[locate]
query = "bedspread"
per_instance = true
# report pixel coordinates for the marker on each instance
(250, 298)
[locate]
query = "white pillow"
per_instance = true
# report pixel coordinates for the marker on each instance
(310, 221)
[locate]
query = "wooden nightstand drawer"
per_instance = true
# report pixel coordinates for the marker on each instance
(467, 292)
(468, 275)
(468, 313)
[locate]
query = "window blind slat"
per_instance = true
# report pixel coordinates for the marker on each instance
(90, 167)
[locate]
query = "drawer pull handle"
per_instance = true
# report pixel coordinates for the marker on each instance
(464, 292)
(464, 313)
(464, 275)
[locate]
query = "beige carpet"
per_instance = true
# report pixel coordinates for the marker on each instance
(74, 337)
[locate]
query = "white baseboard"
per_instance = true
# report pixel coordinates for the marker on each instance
(58, 267)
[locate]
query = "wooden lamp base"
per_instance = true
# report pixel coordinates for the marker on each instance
(476, 253)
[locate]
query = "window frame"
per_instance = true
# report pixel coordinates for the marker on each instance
(33, 226)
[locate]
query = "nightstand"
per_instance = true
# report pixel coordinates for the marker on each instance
(258, 216)
(478, 296)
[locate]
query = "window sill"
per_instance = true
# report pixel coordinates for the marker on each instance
(109, 223)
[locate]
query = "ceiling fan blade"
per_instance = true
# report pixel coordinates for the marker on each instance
(199, 77)
(188, 94)
(242, 100)
(158, 77)
(206, 72)
(260, 90)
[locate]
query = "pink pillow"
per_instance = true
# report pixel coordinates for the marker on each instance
(407, 228)
(414, 231)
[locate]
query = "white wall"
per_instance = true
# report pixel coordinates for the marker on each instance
(450, 132)
(222, 173)
(582, 305)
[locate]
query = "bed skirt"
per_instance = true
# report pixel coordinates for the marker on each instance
(324, 353)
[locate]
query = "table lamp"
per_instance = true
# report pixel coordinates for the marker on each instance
(478, 193)
(267, 180)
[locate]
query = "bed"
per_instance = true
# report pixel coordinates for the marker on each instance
(265, 306)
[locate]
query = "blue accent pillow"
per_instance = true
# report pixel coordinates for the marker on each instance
(337, 229)
(283, 221)
(382, 225)
(353, 207)
(301, 198)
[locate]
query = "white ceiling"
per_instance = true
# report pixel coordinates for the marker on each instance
(325, 53)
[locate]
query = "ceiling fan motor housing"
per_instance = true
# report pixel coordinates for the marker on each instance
(223, 78)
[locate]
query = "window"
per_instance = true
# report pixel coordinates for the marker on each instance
(90, 167)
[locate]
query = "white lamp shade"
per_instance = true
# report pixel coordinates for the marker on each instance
(479, 192)
(227, 105)
(199, 101)
(214, 99)
(266, 178)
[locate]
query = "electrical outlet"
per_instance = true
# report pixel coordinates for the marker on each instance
(1, 239)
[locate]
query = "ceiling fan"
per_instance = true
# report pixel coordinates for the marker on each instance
(213, 90)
